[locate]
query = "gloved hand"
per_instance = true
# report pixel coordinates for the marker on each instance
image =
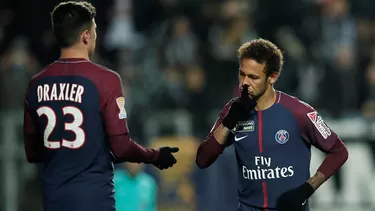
(166, 158)
(240, 109)
(295, 199)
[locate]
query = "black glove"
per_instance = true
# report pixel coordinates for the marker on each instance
(166, 158)
(295, 199)
(240, 109)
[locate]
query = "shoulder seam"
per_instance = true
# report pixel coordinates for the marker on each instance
(104, 68)
(43, 70)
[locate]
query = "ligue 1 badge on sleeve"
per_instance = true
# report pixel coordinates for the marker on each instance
(282, 136)
(121, 105)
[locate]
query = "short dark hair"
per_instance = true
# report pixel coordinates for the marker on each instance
(264, 52)
(71, 18)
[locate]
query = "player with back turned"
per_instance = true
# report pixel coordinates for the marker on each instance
(272, 134)
(75, 120)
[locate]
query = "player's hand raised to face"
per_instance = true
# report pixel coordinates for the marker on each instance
(240, 109)
(245, 100)
(166, 158)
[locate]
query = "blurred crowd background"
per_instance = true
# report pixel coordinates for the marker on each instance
(178, 62)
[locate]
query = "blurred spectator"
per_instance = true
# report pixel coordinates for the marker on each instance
(17, 66)
(232, 28)
(368, 108)
(339, 39)
(182, 47)
(198, 105)
(226, 37)
(121, 33)
(135, 190)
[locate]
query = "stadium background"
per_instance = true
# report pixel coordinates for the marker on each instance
(178, 62)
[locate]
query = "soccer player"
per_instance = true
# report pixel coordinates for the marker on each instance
(272, 134)
(75, 120)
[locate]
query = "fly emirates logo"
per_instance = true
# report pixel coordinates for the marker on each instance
(263, 170)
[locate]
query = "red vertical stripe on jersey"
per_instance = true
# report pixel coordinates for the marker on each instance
(265, 197)
(260, 141)
(260, 131)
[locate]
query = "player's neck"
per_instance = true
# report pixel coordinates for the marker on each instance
(74, 52)
(266, 100)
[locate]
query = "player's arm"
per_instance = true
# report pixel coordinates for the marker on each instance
(321, 136)
(122, 146)
(125, 149)
(214, 144)
(220, 136)
(318, 134)
(32, 140)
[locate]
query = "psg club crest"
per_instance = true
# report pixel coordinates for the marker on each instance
(282, 136)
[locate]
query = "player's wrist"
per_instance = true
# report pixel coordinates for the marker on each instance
(221, 134)
(307, 190)
(155, 156)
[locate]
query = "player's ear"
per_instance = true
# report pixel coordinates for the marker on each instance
(273, 78)
(86, 36)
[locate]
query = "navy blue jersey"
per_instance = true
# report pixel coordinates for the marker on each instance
(272, 149)
(71, 108)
